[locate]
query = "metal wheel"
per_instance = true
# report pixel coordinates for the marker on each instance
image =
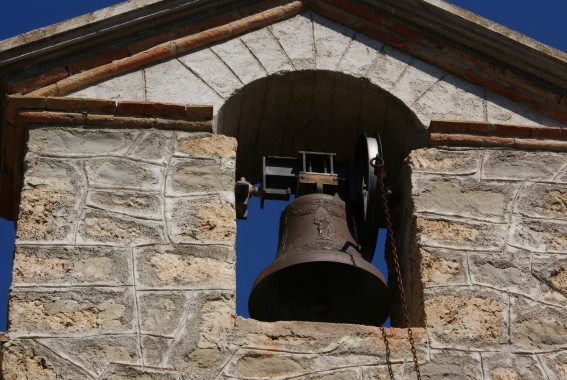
(367, 210)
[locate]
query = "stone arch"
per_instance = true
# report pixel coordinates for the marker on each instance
(316, 110)
(321, 110)
(308, 42)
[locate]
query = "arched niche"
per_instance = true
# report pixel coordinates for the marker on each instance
(320, 111)
(325, 111)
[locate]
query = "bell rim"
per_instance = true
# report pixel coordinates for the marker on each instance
(320, 256)
(338, 258)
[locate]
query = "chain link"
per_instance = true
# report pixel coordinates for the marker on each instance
(378, 164)
(388, 354)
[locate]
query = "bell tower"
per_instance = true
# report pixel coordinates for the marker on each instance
(123, 135)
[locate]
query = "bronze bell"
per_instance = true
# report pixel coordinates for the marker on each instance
(319, 273)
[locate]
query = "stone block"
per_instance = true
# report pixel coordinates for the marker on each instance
(331, 41)
(190, 176)
(200, 319)
(500, 109)
(205, 146)
(96, 353)
(451, 99)
(454, 365)
(127, 372)
(124, 87)
(543, 200)
(466, 317)
(71, 266)
(136, 204)
(163, 313)
(509, 270)
(217, 319)
(63, 176)
(555, 364)
(535, 326)
(26, 359)
(417, 78)
(268, 365)
(360, 56)
(382, 372)
(538, 235)
(185, 267)
(204, 219)
(307, 338)
(205, 362)
(204, 334)
(295, 36)
(332, 344)
(389, 66)
(551, 271)
(151, 146)
(510, 366)
(168, 82)
(155, 350)
(78, 142)
(102, 227)
(464, 198)
(562, 176)
(329, 363)
(71, 311)
(549, 295)
(213, 71)
(442, 267)
(115, 173)
(518, 165)
(438, 161)
(46, 215)
(240, 60)
(267, 50)
(49, 200)
(457, 234)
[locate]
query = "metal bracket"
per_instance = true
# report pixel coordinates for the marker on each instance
(317, 172)
(243, 190)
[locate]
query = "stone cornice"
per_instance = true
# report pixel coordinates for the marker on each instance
(60, 81)
(486, 135)
(483, 36)
(458, 26)
(104, 26)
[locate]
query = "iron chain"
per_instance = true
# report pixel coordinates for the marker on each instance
(378, 164)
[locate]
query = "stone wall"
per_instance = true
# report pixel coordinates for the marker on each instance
(489, 250)
(124, 268)
(125, 242)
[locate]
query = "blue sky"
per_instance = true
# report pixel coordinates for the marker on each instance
(542, 20)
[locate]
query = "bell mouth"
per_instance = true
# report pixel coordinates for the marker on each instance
(321, 287)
